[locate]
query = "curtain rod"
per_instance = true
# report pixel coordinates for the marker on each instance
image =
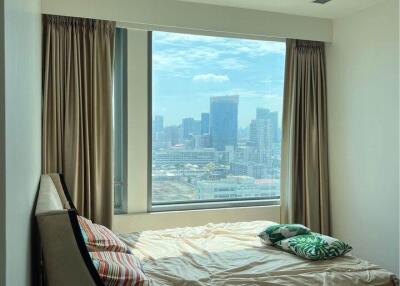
(200, 32)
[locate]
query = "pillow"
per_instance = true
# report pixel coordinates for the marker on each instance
(278, 232)
(314, 246)
(116, 268)
(100, 238)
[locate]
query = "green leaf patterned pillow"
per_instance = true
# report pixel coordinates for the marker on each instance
(278, 232)
(314, 246)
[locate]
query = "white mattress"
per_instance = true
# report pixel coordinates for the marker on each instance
(232, 254)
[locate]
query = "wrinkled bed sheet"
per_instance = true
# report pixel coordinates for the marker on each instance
(232, 254)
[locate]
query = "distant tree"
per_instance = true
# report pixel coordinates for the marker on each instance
(210, 166)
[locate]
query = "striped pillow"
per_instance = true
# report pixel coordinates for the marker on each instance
(116, 268)
(100, 238)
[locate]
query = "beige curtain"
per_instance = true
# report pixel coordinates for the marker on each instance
(77, 110)
(304, 170)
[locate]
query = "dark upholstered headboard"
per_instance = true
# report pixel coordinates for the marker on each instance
(66, 258)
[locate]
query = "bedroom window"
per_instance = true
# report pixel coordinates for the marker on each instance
(216, 109)
(119, 121)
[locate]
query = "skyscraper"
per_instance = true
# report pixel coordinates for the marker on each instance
(158, 128)
(261, 137)
(223, 121)
(172, 135)
(196, 127)
(253, 133)
(190, 127)
(262, 113)
(205, 123)
(187, 124)
(266, 114)
(158, 123)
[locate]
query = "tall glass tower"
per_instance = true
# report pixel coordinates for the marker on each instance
(205, 123)
(266, 114)
(158, 123)
(223, 121)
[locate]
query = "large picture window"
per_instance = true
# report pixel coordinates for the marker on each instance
(216, 119)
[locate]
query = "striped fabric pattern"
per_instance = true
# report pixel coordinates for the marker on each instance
(100, 238)
(116, 268)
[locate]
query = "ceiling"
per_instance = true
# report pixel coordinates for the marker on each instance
(331, 10)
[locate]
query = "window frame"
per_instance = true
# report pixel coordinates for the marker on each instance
(119, 104)
(212, 204)
(188, 205)
(139, 109)
(149, 121)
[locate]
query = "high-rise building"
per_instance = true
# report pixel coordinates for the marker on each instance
(262, 113)
(157, 129)
(187, 125)
(275, 128)
(201, 141)
(266, 114)
(171, 134)
(253, 133)
(261, 137)
(190, 127)
(205, 123)
(196, 127)
(158, 123)
(224, 121)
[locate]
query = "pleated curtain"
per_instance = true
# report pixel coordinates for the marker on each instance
(77, 110)
(304, 165)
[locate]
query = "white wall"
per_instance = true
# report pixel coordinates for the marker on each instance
(363, 106)
(22, 129)
(172, 14)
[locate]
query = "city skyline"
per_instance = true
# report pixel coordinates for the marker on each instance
(159, 127)
(202, 121)
(194, 161)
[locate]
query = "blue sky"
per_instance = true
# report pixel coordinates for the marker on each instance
(188, 69)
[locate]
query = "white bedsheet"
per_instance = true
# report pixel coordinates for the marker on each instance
(232, 254)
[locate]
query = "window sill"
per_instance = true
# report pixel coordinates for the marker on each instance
(126, 223)
(214, 205)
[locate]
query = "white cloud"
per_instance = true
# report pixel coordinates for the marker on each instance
(227, 45)
(270, 82)
(254, 48)
(182, 51)
(232, 64)
(181, 38)
(211, 77)
(182, 55)
(173, 59)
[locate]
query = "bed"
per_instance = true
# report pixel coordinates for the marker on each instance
(214, 254)
(232, 254)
